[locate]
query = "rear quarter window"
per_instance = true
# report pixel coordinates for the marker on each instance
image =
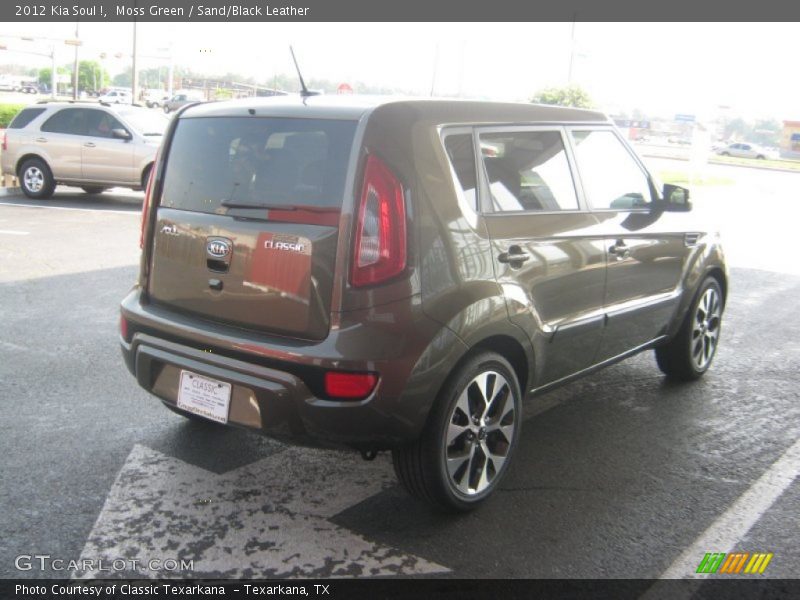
(217, 162)
(25, 116)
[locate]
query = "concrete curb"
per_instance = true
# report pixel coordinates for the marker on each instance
(9, 191)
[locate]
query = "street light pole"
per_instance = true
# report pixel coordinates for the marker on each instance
(53, 75)
(75, 68)
(135, 78)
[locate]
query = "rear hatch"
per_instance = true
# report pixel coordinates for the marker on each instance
(247, 225)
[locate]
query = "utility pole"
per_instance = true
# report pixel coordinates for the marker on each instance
(75, 67)
(53, 76)
(571, 52)
(435, 68)
(135, 78)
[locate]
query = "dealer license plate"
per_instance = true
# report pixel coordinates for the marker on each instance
(204, 396)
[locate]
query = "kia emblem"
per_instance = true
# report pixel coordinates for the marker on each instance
(218, 248)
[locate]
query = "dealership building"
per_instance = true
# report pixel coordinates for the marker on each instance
(790, 139)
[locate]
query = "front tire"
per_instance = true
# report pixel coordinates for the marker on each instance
(469, 438)
(689, 354)
(36, 179)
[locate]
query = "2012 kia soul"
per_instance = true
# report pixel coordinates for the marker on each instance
(401, 274)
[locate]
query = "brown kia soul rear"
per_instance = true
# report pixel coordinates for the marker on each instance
(402, 274)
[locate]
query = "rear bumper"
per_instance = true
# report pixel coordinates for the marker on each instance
(273, 385)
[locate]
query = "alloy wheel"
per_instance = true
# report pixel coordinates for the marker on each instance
(706, 327)
(480, 433)
(33, 179)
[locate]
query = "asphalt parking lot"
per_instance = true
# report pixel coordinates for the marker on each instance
(620, 475)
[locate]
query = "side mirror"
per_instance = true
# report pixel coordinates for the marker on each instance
(676, 198)
(120, 134)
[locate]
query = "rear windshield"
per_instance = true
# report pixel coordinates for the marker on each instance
(25, 116)
(220, 162)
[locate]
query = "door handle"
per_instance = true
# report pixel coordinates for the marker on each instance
(41, 140)
(619, 250)
(514, 257)
(90, 144)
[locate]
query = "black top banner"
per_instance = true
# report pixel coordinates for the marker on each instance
(402, 10)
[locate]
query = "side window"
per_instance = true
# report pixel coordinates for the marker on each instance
(528, 171)
(25, 116)
(100, 123)
(69, 120)
(461, 152)
(611, 177)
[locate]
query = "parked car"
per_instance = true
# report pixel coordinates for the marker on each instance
(746, 150)
(30, 88)
(86, 145)
(179, 100)
(116, 97)
(332, 270)
(155, 98)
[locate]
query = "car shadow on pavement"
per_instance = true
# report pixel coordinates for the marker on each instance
(117, 199)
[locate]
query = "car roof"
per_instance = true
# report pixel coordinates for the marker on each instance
(355, 107)
(84, 104)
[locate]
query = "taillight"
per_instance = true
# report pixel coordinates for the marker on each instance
(379, 252)
(5, 141)
(349, 386)
(146, 205)
(123, 328)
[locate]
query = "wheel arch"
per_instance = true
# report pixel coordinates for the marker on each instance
(27, 156)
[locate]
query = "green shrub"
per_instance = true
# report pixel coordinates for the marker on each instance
(8, 112)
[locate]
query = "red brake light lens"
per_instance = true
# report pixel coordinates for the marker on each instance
(349, 386)
(380, 242)
(123, 327)
(5, 141)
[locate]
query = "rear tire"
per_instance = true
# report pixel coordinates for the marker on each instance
(36, 179)
(93, 189)
(468, 440)
(689, 354)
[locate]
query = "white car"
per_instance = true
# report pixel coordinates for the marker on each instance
(116, 97)
(745, 150)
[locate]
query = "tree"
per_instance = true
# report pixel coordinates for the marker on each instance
(571, 95)
(46, 73)
(124, 79)
(92, 75)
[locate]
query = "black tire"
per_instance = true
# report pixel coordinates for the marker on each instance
(725, 153)
(679, 358)
(166, 109)
(761, 157)
(93, 189)
(36, 179)
(421, 467)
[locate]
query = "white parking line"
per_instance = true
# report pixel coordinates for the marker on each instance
(734, 523)
(12, 232)
(94, 210)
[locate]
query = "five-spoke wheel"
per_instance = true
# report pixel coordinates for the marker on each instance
(36, 180)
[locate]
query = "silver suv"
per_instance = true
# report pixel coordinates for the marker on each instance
(91, 146)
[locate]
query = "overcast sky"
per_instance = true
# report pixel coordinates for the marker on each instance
(661, 68)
